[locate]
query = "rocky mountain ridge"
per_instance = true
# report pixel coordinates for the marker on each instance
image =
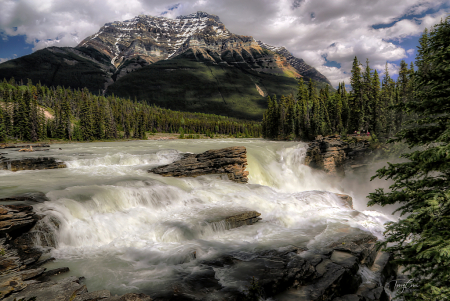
(143, 40)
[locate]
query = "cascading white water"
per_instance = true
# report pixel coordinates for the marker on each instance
(125, 229)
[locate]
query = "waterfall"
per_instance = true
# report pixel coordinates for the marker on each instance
(111, 221)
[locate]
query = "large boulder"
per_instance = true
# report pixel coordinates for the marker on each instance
(230, 161)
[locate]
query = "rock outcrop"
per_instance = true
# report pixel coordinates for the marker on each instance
(333, 155)
(230, 161)
(238, 219)
(30, 163)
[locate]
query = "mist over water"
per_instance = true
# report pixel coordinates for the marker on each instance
(128, 230)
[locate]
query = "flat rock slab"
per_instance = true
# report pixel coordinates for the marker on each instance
(230, 161)
(30, 164)
(236, 219)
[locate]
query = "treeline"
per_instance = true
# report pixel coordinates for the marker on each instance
(35, 112)
(367, 107)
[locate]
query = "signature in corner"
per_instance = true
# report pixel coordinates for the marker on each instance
(401, 287)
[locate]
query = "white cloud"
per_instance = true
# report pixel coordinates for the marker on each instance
(410, 51)
(306, 28)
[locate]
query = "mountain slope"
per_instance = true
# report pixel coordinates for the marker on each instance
(62, 66)
(184, 84)
(299, 64)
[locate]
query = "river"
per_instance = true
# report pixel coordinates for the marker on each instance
(127, 230)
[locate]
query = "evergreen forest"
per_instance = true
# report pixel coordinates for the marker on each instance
(36, 113)
(367, 107)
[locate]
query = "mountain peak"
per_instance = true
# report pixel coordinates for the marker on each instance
(199, 15)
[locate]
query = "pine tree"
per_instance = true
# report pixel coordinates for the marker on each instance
(3, 133)
(303, 111)
(356, 101)
(421, 240)
(86, 122)
(377, 110)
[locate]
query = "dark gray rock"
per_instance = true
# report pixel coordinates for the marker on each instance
(351, 297)
(361, 245)
(230, 161)
(129, 297)
(94, 296)
(65, 289)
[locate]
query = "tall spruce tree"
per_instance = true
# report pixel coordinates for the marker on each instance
(3, 133)
(421, 239)
(356, 98)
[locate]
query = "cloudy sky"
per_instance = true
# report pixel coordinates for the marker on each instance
(327, 34)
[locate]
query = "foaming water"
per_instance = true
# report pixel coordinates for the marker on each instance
(125, 229)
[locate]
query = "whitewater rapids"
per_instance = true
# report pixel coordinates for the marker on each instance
(127, 230)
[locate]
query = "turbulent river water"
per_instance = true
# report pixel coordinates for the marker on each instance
(127, 230)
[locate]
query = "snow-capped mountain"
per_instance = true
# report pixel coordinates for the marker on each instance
(156, 38)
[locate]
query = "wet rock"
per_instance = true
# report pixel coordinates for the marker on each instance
(129, 297)
(351, 297)
(30, 164)
(32, 197)
(47, 274)
(230, 161)
(346, 260)
(94, 296)
(26, 250)
(347, 199)
(362, 245)
(376, 294)
(16, 217)
(236, 220)
(65, 289)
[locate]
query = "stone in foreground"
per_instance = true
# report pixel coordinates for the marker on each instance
(230, 161)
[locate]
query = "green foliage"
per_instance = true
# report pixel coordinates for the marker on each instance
(421, 239)
(254, 292)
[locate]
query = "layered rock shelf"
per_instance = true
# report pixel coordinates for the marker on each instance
(333, 155)
(30, 163)
(230, 161)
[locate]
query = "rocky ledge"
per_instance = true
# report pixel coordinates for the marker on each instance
(230, 161)
(332, 155)
(30, 163)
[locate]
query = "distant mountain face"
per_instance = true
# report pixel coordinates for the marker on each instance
(299, 64)
(237, 66)
(144, 40)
